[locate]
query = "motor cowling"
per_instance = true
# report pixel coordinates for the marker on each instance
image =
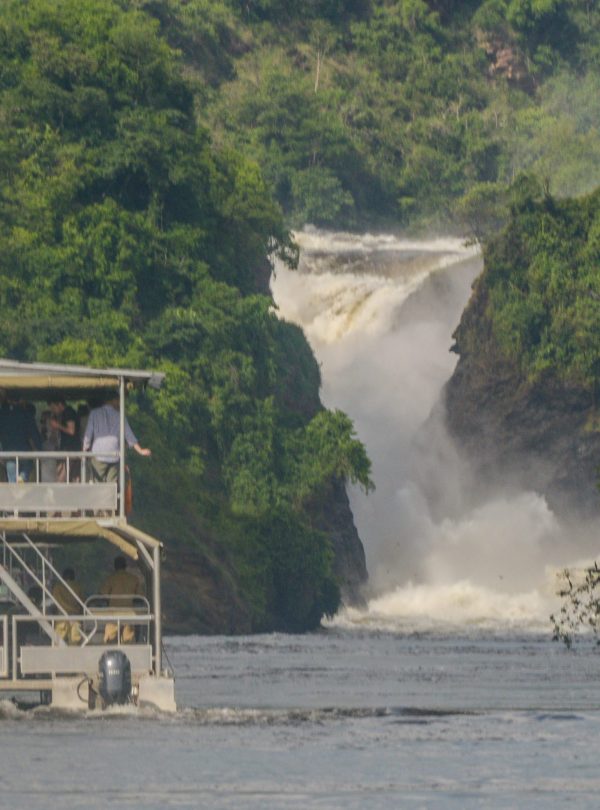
(114, 678)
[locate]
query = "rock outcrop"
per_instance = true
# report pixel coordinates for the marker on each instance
(200, 586)
(349, 566)
(542, 436)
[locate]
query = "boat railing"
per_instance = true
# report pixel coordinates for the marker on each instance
(4, 647)
(36, 653)
(101, 602)
(26, 563)
(35, 492)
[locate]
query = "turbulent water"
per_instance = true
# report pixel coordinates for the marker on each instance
(379, 312)
(446, 691)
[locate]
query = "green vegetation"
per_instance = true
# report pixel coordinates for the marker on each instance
(154, 153)
(127, 237)
(540, 291)
(580, 609)
(391, 112)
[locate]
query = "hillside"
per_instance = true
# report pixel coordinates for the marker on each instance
(153, 157)
(397, 113)
(129, 238)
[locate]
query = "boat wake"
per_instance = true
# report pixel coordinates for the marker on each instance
(214, 716)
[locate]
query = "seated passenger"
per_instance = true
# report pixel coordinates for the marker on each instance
(67, 597)
(122, 586)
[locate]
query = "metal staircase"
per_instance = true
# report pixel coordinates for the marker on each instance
(16, 570)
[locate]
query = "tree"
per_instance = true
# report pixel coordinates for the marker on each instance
(127, 237)
(580, 610)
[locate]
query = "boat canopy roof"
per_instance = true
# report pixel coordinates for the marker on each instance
(59, 532)
(39, 380)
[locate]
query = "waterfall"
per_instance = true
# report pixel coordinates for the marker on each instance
(379, 312)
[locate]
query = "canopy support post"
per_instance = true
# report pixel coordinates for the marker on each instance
(122, 447)
(157, 612)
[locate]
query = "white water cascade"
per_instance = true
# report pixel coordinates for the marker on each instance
(379, 312)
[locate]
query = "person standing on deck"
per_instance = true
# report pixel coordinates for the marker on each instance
(64, 421)
(18, 433)
(102, 437)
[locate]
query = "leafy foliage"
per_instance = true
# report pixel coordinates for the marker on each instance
(398, 109)
(543, 288)
(127, 237)
(580, 610)
(354, 111)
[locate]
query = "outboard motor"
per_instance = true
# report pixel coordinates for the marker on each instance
(114, 678)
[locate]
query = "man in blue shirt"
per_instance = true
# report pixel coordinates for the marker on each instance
(102, 438)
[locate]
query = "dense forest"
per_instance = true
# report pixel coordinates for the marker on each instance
(128, 238)
(398, 112)
(154, 155)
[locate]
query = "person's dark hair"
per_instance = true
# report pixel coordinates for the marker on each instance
(56, 399)
(68, 574)
(111, 395)
(35, 593)
(120, 563)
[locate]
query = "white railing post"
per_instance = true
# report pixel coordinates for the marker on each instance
(14, 647)
(157, 612)
(122, 447)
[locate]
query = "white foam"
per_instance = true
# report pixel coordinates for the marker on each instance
(333, 306)
(413, 607)
(435, 558)
(315, 240)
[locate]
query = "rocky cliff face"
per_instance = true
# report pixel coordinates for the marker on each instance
(200, 591)
(542, 436)
(334, 517)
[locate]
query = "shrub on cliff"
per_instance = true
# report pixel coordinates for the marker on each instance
(541, 287)
(580, 609)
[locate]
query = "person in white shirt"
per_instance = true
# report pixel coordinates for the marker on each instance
(102, 438)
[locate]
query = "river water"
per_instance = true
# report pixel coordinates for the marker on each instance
(443, 691)
(345, 718)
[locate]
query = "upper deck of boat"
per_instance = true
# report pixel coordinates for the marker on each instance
(79, 505)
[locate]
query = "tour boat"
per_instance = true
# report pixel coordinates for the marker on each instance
(42, 520)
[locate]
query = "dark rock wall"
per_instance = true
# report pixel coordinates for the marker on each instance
(200, 593)
(335, 518)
